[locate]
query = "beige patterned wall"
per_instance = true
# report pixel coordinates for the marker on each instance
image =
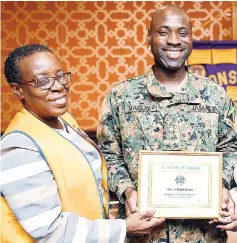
(100, 42)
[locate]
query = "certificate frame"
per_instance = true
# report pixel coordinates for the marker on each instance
(180, 185)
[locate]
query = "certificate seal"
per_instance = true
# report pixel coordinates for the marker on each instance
(180, 180)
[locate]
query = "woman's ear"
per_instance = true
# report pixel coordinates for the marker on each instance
(17, 90)
(149, 37)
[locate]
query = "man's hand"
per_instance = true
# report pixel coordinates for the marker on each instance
(228, 219)
(227, 205)
(131, 201)
(227, 202)
(142, 223)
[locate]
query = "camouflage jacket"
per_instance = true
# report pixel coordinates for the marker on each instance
(139, 114)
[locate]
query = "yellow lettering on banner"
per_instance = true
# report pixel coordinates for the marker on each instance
(224, 56)
(232, 77)
(222, 78)
(200, 57)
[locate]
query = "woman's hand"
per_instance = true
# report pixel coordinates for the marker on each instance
(230, 223)
(142, 223)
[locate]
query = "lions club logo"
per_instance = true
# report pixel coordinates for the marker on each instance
(180, 180)
(198, 69)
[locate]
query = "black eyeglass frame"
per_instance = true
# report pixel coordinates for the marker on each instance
(35, 82)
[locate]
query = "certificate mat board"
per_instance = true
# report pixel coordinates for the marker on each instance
(180, 184)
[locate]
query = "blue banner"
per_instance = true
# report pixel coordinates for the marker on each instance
(216, 60)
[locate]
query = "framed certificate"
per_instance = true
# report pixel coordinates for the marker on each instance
(180, 184)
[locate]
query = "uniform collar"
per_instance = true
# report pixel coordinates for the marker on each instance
(154, 88)
(189, 94)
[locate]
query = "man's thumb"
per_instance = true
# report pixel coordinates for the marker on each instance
(132, 203)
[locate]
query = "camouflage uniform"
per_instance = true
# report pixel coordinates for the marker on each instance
(139, 114)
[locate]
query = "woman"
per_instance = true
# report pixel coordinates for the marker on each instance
(53, 177)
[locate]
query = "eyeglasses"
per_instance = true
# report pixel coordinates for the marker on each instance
(48, 82)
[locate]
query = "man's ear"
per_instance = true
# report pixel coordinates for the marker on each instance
(17, 90)
(149, 37)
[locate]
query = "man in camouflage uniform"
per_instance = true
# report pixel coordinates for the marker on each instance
(167, 109)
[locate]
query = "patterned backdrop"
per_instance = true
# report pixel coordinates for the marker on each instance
(101, 43)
